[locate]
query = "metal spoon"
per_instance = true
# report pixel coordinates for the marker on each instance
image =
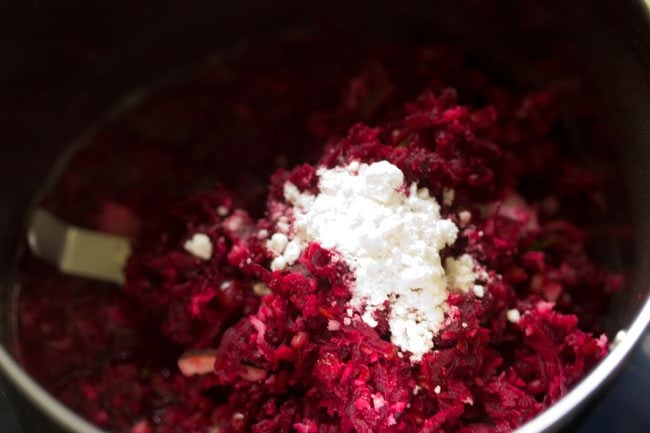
(78, 251)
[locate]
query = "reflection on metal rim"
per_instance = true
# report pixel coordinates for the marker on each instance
(56, 411)
(551, 419)
(555, 416)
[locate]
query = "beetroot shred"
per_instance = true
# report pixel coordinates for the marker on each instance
(234, 347)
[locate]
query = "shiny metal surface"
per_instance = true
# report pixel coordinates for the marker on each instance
(67, 63)
(77, 251)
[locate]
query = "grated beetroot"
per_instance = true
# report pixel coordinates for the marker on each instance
(226, 345)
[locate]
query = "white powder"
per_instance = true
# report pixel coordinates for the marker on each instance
(277, 243)
(448, 196)
(223, 211)
(292, 251)
(199, 246)
(390, 238)
(464, 217)
(513, 315)
(378, 401)
(279, 263)
(460, 273)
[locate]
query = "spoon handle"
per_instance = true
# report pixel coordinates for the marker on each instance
(78, 251)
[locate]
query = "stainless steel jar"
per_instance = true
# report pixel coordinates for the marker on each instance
(65, 63)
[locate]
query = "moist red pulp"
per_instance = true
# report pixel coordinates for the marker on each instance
(278, 364)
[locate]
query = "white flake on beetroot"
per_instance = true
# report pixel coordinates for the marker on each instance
(479, 291)
(460, 273)
(223, 211)
(513, 315)
(333, 325)
(448, 196)
(391, 239)
(278, 243)
(200, 246)
(464, 218)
